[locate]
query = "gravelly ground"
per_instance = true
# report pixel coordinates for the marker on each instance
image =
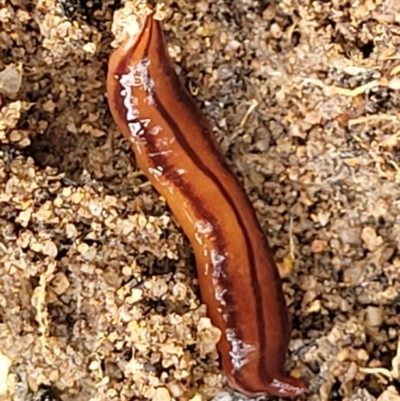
(98, 292)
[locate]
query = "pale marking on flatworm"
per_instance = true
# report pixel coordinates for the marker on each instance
(161, 153)
(239, 350)
(150, 100)
(188, 216)
(206, 266)
(204, 227)
(164, 142)
(156, 172)
(132, 113)
(138, 77)
(135, 129)
(217, 260)
(198, 238)
(219, 293)
(145, 122)
(285, 387)
(155, 130)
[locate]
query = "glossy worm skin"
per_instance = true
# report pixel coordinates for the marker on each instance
(175, 148)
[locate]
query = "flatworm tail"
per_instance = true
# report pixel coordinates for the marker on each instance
(175, 147)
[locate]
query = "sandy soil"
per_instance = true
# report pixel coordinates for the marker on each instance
(98, 291)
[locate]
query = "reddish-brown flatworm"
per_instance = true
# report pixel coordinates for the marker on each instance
(175, 148)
